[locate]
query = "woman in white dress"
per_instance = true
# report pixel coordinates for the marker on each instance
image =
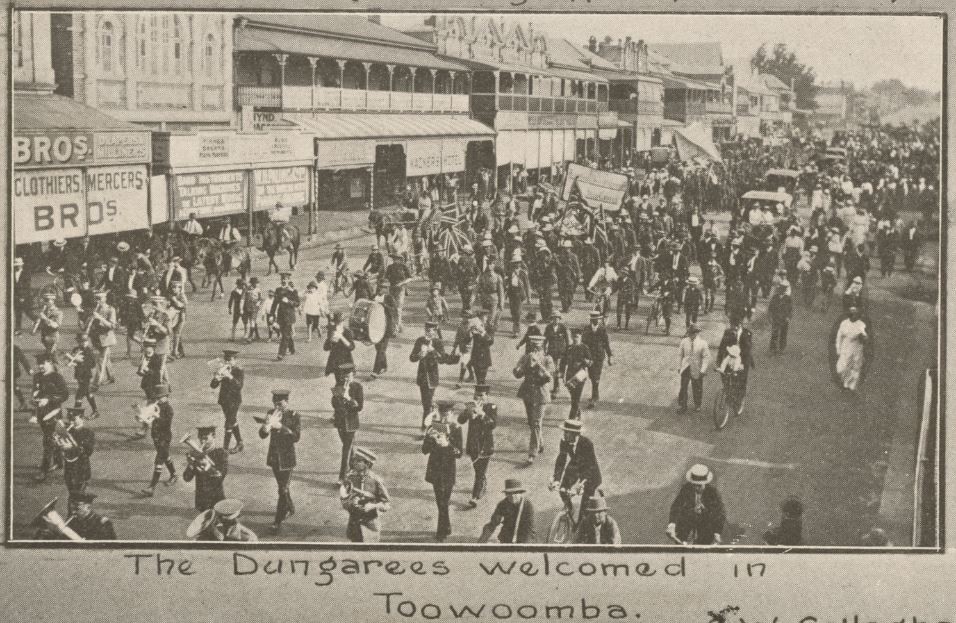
(850, 347)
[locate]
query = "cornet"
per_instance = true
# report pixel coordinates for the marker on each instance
(272, 420)
(145, 414)
(63, 439)
(55, 522)
(197, 457)
(224, 370)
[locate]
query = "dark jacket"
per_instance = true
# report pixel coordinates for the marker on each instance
(284, 312)
(281, 453)
(481, 350)
(746, 346)
(339, 353)
(480, 442)
(209, 486)
(230, 389)
(708, 522)
(577, 464)
(77, 460)
(507, 516)
(577, 358)
(52, 387)
(780, 308)
(556, 339)
(607, 533)
(94, 528)
(442, 467)
(597, 342)
(346, 410)
(427, 375)
(162, 428)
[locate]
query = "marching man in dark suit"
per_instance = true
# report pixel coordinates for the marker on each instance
(283, 427)
(348, 399)
(515, 515)
(697, 514)
(364, 496)
(443, 445)
(230, 379)
(576, 466)
(77, 444)
(482, 418)
(283, 310)
(209, 469)
(595, 338)
(428, 352)
(49, 392)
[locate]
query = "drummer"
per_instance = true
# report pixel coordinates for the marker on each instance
(578, 360)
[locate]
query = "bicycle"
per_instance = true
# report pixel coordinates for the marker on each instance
(728, 400)
(564, 526)
(343, 282)
(654, 315)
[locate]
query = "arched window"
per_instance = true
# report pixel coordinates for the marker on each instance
(210, 64)
(106, 46)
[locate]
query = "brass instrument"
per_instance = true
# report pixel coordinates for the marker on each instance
(42, 318)
(224, 370)
(72, 360)
(273, 419)
(203, 521)
(353, 498)
(197, 457)
(64, 440)
(49, 518)
(145, 414)
(438, 430)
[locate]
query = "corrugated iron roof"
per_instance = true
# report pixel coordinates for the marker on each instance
(773, 82)
(694, 58)
(338, 25)
(34, 111)
(264, 39)
(369, 125)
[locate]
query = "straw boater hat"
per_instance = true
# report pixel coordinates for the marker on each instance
(572, 426)
(59, 243)
(122, 247)
(17, 262)
(699, 474)
(366, 455)
(513, 485)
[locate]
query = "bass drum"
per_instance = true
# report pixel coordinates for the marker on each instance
(368, 321)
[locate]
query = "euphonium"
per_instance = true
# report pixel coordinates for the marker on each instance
(52, 519)
(197, 456)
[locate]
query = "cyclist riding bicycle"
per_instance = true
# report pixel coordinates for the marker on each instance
(732, 372)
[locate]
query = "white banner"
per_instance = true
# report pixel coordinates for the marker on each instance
(453, 155)
(569, 145)
(116, 199)
(288, 186)
(345, 154)
(422, 158)
(47, 205)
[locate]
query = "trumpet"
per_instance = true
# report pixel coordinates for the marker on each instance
(49, 518)
(224, 370)
(439, 431)
(197, 457)
(145, 414)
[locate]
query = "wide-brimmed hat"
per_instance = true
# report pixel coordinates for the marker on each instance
(18, 261)
(514, 485)
(699, 474)
(572, 426)
(596, 505)
(122, 246)
(59, 242)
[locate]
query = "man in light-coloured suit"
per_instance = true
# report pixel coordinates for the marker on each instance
(694, 359)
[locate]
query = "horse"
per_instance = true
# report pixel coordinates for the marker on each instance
(278, 237)
(219, 260)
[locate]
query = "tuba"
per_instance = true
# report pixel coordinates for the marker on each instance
(202, 523)
(49, 519)
(145, 414)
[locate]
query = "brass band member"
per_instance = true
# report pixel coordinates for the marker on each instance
(221, 523)
(84, 361)
(442, 444)
(515, 515)
(153, 372)
(156, 326)
(162, 432)
(49, 393)
(348, 399)
(208, 465)
(284, 429)
(102, 330)
(76, 442)
(284, 308)
(230, 379)
(482, 418)
(85, 523)
(535, 368)
(428, 352)
(48, 323)
(364, 496)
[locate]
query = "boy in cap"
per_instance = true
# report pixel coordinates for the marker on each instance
(230, 379)
(536, 369)
(209, 468)
(266, 315)
(577, 358)
(227, 511)
(251, 304)
(481, 418)
(84, 361)
(697, 514)
(462, 347)
(428, 352)
(283, 427)
(348, 399)
(162, 433)
(692, 300)
(597, 527)
(284, 309)
(364, 496)
(77, 444)
(235, 307)
(443, 445)
(557, 338)
(515, 515)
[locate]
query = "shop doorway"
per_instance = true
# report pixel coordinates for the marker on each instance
(389, 178)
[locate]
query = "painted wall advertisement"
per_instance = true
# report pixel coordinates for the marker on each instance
(288, 186)
(209, 194)
(68, 203)
(79, 148)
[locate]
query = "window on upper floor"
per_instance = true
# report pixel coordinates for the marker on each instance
(109, 53)
(177, 49)
(210, 56)
(17, 40)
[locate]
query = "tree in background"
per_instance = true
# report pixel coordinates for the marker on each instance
(782, 63)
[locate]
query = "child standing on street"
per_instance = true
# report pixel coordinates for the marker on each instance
(314, 308)
(437, 307)
(266, 313)
(235, 307)
(251, 302)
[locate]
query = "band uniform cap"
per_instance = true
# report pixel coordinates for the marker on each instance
(229, 352)
(595, 314)
(699, 474)
(44, 357)
(206, 424)
(122, 247)
(84, 497)
(596, 505)
(159, 391)
(430, 324)
(445, 405)
(366, 455)
(555, 314)
(281, 394)
(733, 350)
(577, 331)
(481, 389)
(18, 262)
(149, 342)
(693, 280)
(228, 508)
(572, 426)
(285, 274)
(514, 485)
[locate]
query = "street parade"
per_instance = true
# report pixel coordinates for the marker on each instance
(657, 347)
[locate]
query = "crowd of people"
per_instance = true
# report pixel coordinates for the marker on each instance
(525, 258)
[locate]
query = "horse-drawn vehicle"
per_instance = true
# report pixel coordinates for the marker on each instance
(788, 179)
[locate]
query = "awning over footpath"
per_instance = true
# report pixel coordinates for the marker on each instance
(695, 141)
(331, 126)
(40, 112)
(258, 39)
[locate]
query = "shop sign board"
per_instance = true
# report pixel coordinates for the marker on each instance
(209, 194)
(287, 185)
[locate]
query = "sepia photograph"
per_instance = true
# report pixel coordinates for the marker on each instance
(542, 281)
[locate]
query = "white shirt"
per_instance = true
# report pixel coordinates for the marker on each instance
(694, 354)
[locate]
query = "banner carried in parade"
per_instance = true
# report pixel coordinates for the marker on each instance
(599, 189)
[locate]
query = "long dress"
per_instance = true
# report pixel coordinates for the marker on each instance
(850, 351)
